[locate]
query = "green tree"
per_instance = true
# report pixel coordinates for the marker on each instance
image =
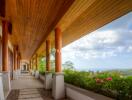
(42, 64)
(52, 61)
(68, 65)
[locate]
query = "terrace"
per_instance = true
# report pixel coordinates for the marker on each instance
(30, 29)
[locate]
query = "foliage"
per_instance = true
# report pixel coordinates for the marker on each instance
(68, 65)
(42, 65)
(52, 61)
(107, 83)
(127, 72)
(53, 53)
(42, 62)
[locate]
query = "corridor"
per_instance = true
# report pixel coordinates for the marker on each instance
(26, 87)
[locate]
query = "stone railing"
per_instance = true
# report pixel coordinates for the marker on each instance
(76, 93)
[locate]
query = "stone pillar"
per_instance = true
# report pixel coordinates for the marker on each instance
(58, 46)
(5, 46)
(30, 66)
(36, 62)
(47, 55)
(48, 74)
(36, 69)
(2, 97)
(33, 70)
(18, 64)
(15, 63)
(58, 91)
(5, 75)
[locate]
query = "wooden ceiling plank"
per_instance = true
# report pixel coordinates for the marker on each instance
(56, 19)
(88, 21)
(78, 7)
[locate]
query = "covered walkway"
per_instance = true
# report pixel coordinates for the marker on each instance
(27, 87)
(31, 29)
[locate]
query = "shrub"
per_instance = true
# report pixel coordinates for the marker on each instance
(107, 83)
(41, 64)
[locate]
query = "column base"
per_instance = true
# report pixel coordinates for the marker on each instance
(15, 75)
(6, 85)
(48, 80)
(19, 72)
(58, 91)
(2, 97)
(33, 72)
(30, 71)
(36, 74)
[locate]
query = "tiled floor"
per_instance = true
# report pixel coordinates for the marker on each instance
(30, 94)
(26, 87)
(25, 81)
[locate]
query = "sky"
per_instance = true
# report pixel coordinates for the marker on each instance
(109, 47)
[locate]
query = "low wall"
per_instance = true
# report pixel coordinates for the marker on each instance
(42, 78)
(76, 93)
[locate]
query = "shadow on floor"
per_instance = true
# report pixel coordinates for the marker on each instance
(13, 95)
(30, 94)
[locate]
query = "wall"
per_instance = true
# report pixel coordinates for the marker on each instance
(0, 54)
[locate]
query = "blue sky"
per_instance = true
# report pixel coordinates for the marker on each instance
(109, 47)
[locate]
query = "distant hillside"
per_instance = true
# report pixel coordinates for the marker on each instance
(125, 72)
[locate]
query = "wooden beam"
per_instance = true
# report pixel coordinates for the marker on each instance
(2, 7)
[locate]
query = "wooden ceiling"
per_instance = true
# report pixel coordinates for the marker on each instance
(34, 20)
(89, 15)
(41, 51)
(2, 8)
(85, 16)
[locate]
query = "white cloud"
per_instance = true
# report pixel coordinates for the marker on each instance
(129, 49)
(99, 44)
(120, 48)
(90, 45)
